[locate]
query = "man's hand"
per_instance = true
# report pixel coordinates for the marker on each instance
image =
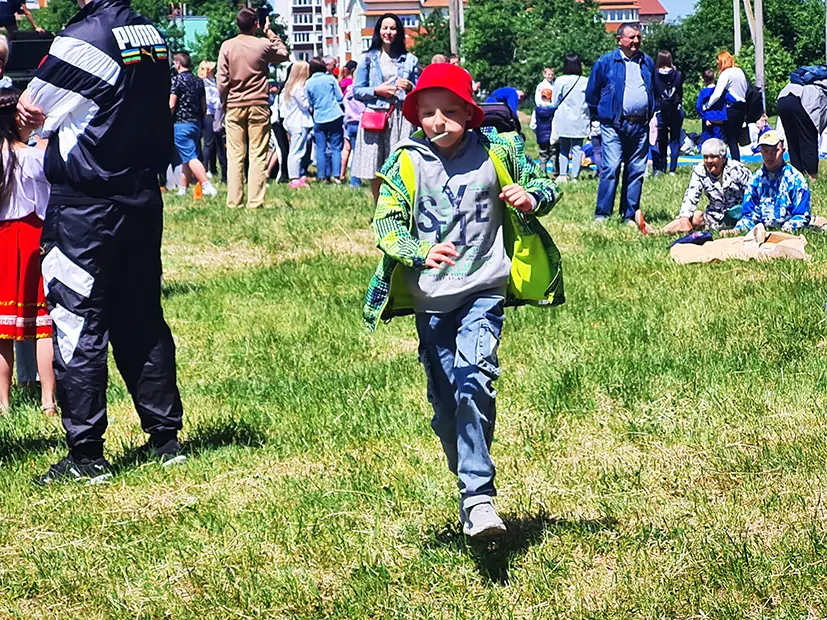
(517, 197)
(40, 30)
(405, 85)
(29, 116)
(442, 253)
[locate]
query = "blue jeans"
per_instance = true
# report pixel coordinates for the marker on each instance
(628, 144)
(329, 163)
(459, 352)
(573, 147)
(352, 129)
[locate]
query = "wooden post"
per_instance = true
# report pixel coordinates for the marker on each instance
(736, 19)
(452, 19)
(461, 11)
(759, 47)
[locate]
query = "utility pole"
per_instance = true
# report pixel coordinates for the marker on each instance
(750, 19)
(452, 19)
(461, 11)
(759, 47)
(736, 20)
(340, 26)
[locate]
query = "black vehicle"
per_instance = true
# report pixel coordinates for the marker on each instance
(27, 49)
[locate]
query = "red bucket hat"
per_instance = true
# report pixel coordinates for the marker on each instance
(447, 76)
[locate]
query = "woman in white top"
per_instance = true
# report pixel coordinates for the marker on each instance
(732, 85)
(298, 121)
(24, 196)
(571, 119)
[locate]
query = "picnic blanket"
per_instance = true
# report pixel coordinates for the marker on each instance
(758, 244)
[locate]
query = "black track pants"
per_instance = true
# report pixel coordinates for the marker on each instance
(102, 273)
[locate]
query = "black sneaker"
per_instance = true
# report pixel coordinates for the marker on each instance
(91, 471)
(168, 452)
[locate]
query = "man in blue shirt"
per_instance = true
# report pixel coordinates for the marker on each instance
(778, 195)
(507, 95)
(620, 96)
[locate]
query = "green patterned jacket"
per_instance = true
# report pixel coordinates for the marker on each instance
(536, 272)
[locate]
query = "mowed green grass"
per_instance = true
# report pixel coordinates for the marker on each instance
(661, 446)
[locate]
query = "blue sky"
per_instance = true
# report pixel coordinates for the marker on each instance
(677, 8)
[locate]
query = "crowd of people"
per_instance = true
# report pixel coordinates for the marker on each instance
(457, 202)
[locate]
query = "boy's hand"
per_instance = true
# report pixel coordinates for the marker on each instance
(441, 253)
(517, 197)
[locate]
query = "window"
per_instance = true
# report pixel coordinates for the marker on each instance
(366, 43)
(303, 56)
(409, 21)
(302, 2)
(301, 37)
(302, 19)
(348, 45)
(617, 16)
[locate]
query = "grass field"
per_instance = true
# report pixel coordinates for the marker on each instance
(661, 443)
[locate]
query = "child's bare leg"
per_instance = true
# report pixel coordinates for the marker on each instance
(345, 157)
(45, 355)
(6, 365)
(374, 187)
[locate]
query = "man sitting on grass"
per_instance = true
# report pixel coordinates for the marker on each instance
(778, 196)
(723, 181)
(452, 206)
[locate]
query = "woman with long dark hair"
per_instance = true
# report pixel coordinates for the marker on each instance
(24, 196)
(387, 73)
(668, 86)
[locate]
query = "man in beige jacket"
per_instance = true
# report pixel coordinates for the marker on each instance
(242, 85)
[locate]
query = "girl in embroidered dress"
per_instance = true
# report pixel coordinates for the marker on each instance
(24, 195)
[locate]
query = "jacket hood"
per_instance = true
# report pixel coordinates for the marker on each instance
(667, 76)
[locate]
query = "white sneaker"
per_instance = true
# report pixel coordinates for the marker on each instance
(209, 174)
(479, 519)
(562, 179)
(182, 191)
(208, 189)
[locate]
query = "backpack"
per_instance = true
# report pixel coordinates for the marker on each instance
(501, 117)
(755, 103)
(670, 102)
(810, 74)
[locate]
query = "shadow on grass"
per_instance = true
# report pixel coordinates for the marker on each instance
(13, 447)
(174, 288)
(493, 556)
(208, 436)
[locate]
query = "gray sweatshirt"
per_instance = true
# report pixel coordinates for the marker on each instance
(458, 200)
(813, 100)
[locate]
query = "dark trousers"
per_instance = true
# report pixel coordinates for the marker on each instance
(801, 134)
(283, 143)
(102, 272)
(669, 135)
(209, 149)
(736, 113)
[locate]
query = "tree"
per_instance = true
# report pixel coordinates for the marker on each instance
(435, 38)
(509, 42)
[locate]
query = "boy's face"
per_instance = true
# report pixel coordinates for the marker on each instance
(548, 73)
(442, 111)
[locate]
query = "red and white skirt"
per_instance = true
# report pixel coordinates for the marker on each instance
(23, 314)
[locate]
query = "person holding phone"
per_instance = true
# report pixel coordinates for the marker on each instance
(242, 84)
(387, 73)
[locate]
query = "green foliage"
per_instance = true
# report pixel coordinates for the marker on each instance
(508, 42)
(55, 14)
(435, 38)
(778, 64)
(793, 35)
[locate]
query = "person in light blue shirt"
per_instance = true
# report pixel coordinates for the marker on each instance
(778, 195)
(325, 99)
(620, 95)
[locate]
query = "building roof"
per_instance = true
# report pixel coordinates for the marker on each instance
(437, 4)
(651, 7)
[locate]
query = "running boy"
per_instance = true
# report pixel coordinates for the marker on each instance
(457, 214)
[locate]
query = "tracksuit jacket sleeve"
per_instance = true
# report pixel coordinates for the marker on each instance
(800, 199)
(391, 222)
(749, 212)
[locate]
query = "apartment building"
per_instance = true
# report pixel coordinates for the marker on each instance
(645, 12)
(343, 28)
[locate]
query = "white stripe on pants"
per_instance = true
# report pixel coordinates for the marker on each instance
(298, 145)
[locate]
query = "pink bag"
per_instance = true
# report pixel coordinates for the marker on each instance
(375, 121)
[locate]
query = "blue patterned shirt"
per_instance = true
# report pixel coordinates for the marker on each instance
(778, 199)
